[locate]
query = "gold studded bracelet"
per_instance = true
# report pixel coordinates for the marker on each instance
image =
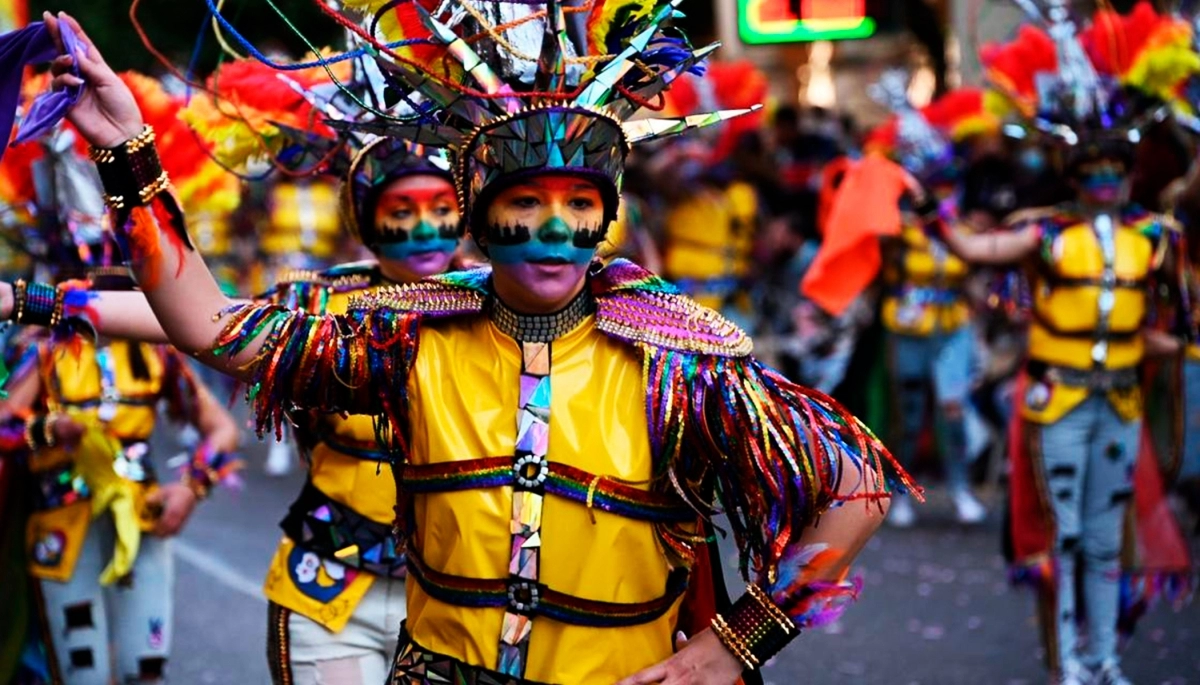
(755, 629)
(131, 172)
(734, 643)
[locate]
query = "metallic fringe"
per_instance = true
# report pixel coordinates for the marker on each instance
(777, 449)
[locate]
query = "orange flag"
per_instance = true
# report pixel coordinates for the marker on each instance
(867, 205)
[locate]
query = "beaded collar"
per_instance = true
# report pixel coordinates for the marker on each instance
(541, 328)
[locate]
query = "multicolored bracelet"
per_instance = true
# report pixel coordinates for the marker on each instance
(37, 304)
(132, 173)
(209, 468)
(756, 629)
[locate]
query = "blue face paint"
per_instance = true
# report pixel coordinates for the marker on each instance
(1105, 183)
(1032, 160)
(424, 239)
(553, 241)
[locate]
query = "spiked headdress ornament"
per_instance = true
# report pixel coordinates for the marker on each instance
(512, 114)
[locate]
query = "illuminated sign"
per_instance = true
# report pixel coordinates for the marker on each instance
(761, 22)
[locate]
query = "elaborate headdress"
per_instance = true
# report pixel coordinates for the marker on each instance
(922, 140)
(1096, 89)
(511, 107)
(257, 116)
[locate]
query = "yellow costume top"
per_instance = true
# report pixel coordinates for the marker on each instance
(594, 427)
(1091, 291)
(548, 461)
(709, 235)
(322, 568)
(924, 282)
(118, 385)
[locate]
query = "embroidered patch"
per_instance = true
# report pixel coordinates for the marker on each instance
(78, 616)
(156, 639)
(48, 550)
(320, 579)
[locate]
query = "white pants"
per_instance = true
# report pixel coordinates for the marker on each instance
(303, 652)
(120, 633)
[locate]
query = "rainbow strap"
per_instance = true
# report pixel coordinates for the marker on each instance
(561, 480)
(557, 606)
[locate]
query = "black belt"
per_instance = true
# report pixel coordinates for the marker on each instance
(336, 532)
(1098, 380)
(414, 664)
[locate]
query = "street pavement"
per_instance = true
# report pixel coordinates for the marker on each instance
(936, 609)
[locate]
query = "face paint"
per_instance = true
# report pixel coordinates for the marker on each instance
(542, 235)
(1032, 160)
(416, 226)
(553, 243)
(568, 215)
(416, 215)
(1101, 183)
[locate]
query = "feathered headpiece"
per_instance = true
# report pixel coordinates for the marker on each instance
(522, 91)
(253, 114)
(1097, 86)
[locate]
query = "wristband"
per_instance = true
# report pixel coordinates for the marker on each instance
(755, 629)
(36, 304)
(132, 173)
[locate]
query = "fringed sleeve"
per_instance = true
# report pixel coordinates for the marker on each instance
(355, 363)
(1170, 287)
(784, 455)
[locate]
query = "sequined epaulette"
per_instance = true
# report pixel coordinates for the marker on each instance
(453, 294)
(293, 276)
(632, 305)
(352, 276)
(636, 306)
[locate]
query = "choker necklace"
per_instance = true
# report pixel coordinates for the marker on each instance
(541, 328)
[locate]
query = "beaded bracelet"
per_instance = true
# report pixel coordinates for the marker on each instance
(37, 304)
(756, 629)
(132, 173)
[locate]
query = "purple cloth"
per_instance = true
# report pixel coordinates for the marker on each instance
(33, 45)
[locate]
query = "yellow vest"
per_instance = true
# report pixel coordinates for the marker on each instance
(709, 235)
(364, 485)
(598, 424)
(924, 287)
(74, 381)
(1067, 313)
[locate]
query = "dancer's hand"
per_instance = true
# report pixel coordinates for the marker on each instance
(177, 502)
(7, 302)
(106, 114)
(702, 660)
(67, 431)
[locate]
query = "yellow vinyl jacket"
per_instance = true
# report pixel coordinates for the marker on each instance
(647, 408)
(1093, 293)
(924, 286)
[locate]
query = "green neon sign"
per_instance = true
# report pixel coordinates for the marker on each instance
(765, 22)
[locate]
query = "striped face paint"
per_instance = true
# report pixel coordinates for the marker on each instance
(417, 220)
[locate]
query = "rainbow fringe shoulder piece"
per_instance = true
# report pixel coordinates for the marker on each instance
(776, 454)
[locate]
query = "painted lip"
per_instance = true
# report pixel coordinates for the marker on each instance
(550, 261)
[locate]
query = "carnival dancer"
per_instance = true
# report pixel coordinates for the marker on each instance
(534, 556)
(335, 585)
(1108, 290)
(930, 349)
(78, 420)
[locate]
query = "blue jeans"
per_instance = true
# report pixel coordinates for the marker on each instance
(1190, 468)
(945, 362)
(1087, 459)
